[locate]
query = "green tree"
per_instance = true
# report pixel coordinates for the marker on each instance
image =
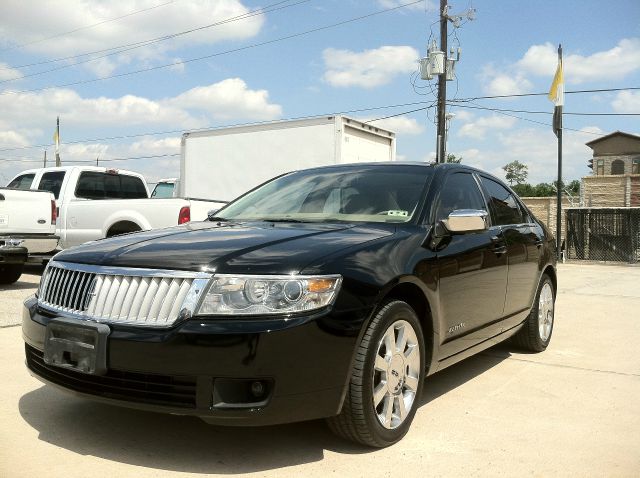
(545, 190)
(452, 158)
(516, 172)
(574, 187)
(524, 190)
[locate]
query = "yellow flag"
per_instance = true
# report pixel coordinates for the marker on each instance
(556, 93)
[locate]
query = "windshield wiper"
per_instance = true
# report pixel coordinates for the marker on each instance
(217, 219)
(281, 219)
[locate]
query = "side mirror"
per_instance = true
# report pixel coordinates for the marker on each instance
(212, 214)
(462, 221)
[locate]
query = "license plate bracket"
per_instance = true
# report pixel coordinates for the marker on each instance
(77, 345)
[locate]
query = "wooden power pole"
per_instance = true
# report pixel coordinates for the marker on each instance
(442, 86)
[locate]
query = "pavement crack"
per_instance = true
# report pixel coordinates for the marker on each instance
(573, 367)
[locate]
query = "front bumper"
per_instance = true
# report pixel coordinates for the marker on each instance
(192, 368)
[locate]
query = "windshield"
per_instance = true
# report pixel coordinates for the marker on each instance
(370, 194)
(163, 190)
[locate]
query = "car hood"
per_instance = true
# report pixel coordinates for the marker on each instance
(251, 248)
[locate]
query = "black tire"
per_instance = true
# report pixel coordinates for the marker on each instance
(529, 337)
(358, 421)
(9, 273)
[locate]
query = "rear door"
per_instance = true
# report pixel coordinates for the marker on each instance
(472, 271)
(522, 245)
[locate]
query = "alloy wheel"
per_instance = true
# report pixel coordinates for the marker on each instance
(396, 374)
(545, 312)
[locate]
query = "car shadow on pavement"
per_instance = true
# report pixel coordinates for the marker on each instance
(179, 443)
(458, 374)
(18, 286)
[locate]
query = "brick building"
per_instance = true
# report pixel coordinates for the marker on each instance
(616, 172)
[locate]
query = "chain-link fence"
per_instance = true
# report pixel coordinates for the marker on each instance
(604, 234)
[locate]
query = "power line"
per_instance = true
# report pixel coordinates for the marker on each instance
(206, 128)
(129, 158)
(58, 35)
(601, 90)
(132, 46)
(453, 103)
(450, 103)
(234, 50)
(523, 119)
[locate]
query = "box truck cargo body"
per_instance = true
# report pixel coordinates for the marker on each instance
(222, 164)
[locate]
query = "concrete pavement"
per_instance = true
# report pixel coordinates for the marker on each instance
(572, 410)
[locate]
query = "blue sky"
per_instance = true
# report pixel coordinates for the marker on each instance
(508, 49)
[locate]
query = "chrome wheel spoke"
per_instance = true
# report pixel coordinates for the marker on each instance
(412, 357)
(387, 412)
(402, 410)
(401, 343)
(381, 364)
(389, 341)
(379, 393)
(411, 383)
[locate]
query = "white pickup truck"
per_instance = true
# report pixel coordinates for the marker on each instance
(27, 226)
(94, 202)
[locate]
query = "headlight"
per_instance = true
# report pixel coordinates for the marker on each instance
(259, 295)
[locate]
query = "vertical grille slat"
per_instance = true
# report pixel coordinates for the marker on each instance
(180, 296)
(76, 291)
(120, 295)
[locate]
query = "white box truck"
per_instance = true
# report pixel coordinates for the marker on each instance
(221, 164)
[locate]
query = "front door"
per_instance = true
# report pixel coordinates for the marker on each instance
(472, 272)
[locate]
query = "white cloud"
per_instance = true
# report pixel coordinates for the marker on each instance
(24, 23)
(627, 102)
(228, 99)
(504, 83)
(10, 139)
(615, 63)
(398, 125)
(8, 73)
(369, 68)
(479, 128)
(427, 5)
(542, 60)
(225, 100)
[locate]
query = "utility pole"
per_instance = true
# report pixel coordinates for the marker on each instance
(56, 137)
(45, 158)
(442, 85)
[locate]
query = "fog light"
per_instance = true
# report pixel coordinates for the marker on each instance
(257, 389)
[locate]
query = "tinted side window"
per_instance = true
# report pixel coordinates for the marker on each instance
(459, 191)
(90, 185)
(22, 182)
(52, 182)
(97, 185)
(132, 188)
(505, 208)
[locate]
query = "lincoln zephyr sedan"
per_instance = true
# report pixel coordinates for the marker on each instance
(324, 293)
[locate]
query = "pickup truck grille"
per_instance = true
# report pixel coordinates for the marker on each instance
(146, 297)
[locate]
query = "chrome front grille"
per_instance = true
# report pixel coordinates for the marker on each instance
(145, 297)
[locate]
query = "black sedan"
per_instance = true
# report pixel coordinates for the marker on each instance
(324, 293)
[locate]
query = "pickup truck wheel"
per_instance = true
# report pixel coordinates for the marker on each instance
(9, 273)
(125, 227)
(386, 380)
(535, 334)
